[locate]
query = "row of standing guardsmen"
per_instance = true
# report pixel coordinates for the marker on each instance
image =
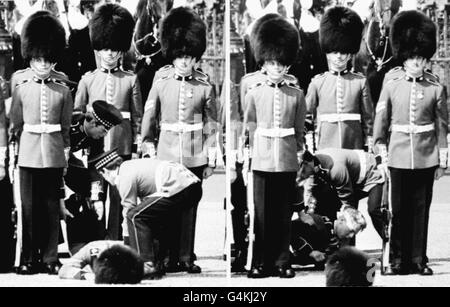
(407, 130)
(48, 124)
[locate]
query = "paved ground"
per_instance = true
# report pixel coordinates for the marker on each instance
(210, 250)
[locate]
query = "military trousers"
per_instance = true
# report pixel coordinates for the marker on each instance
(273, 197)
(411, 194)
(150, 221)
(40, 194)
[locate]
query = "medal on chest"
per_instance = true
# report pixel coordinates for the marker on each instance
(420, 95)
(190, 93)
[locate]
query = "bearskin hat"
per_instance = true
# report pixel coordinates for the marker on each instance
(340, 30)
(257, 26)
(43, 36)
(111, 27)
(182, 32)
(412, 34)
(277, 40)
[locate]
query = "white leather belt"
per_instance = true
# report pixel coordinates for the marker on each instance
(413, 128)
(339, 117)
(181, 127)
(275, 132)
(126, 115)
(42, 128)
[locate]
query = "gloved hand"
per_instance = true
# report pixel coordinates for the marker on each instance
(64, 213)
(207, 172)
(99, 209)
(2, 173)
(438, 173)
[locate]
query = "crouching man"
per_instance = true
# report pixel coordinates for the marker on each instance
(151, 191)
(344, 177)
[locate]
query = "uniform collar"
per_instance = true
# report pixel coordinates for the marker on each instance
(182, 78)
(340, 73)
(273, 84)
(110, 71)
(411, 79)
(39, 80)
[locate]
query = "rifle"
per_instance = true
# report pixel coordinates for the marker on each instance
(250, 205)
(16, 214)
(387, 225)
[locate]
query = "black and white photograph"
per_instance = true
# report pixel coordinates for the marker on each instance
(112, 168)
(219, 146)
(339, 112)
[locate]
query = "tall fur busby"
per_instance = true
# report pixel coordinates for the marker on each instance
(412, 34)
(182, 32)
(276, 40)
(340, 30)
(257, 26)
(111, 27)
(43, 36)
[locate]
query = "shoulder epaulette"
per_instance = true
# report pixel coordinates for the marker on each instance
(21, 70)
(394, 79)
(90, 72)
(318, 76)
(22, 82)
(435, 82)
(428, 72)
(61, 82)
(165, 67)
(201, 72)
(253, 86)
(162, 79)
(202, 80)
(356, 73)
(394, 70)
(60, 73)
(290, 77)
(293, 85)
(129, 72)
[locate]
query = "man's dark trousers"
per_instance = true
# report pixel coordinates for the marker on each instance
(40, 191)
(152, 218)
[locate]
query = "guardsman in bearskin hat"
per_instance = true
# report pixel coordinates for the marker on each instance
(86, 134)
(238, 189)
(340, 97)
(410, 135)
(111, 30)
(277, 109)
(184, 101)
(40, 117)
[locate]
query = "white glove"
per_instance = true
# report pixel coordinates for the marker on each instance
(2, 173)
(99, 209)
(2, 163)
